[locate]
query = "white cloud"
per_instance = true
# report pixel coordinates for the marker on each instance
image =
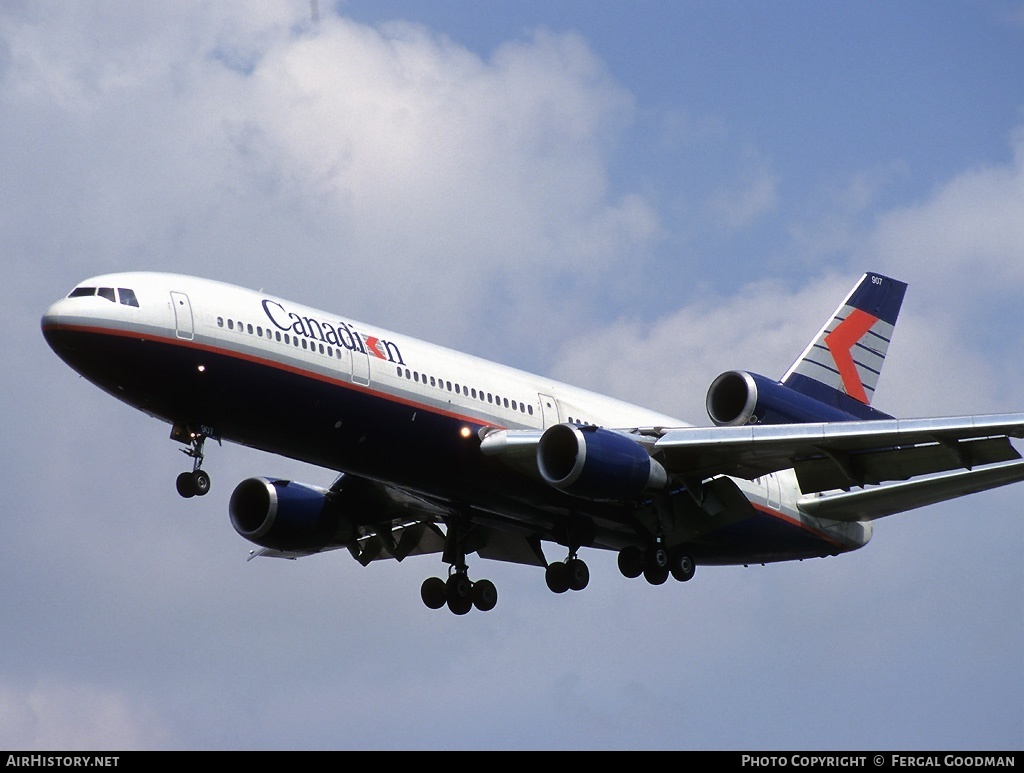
(968, 236)
(962, 253)
(386, 165)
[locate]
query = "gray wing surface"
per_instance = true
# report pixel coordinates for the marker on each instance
(842, 455)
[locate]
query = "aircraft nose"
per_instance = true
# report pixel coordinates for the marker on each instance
(51, 323)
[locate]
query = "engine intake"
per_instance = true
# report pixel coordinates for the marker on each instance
(285, 515)
(597, 463)
(737, 397)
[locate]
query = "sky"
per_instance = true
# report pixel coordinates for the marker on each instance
(629, 197)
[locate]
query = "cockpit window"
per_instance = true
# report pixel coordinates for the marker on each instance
(127, 296)
(81, 292)
(106, 292)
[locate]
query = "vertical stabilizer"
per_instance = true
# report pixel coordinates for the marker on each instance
(841, 366)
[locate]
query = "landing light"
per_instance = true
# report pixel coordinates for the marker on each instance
(201, 368)
(465, 432)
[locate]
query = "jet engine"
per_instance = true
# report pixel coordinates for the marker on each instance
(737, 397)
(597, 463)
(285, 515)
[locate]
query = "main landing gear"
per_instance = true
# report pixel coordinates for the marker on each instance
(459, 593)
(656, 563)
(197, 482)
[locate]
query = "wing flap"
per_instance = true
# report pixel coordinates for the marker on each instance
(877, 502)
(900, 463)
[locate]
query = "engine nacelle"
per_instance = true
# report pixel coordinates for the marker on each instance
(737, 397)
(285, 515)
(597, 463)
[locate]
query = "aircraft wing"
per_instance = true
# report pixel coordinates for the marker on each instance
(879, 501)
(826, 456)
(391, 522)
(841, 455)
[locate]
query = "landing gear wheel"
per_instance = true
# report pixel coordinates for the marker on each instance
(433, 592)
(657, 557)
(683, 567)
(656, 575)
(458, 591)
(185, 485)
(578, 573)
(200, 483)
(557, 577)
(656, 564)
(631, 562)
(485, 595)
(197, 482)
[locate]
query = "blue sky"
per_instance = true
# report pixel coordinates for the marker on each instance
(633, 198)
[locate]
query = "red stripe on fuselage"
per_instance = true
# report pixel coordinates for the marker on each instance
(271, 363)
(780, 515)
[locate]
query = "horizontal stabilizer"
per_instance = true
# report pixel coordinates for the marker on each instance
(871, 503)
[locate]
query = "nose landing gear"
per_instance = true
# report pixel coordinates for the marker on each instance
(197, 482)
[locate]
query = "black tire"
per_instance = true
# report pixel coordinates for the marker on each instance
(631, 562)
(201, 483)
(578, 572)
(683, 567)
(656, 556)
(185, 485)
(433, 592)
(557, 577)
(458, 593)
(656, 575)
(485, 595)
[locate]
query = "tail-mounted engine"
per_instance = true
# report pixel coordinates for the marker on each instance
(737, 397)
(285, 515)
(597, 463)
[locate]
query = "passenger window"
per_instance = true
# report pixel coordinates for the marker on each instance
(106, 292)
(127, 297)
(231, 324)
(220, 321)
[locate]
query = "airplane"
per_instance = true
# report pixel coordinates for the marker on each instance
(439, 452)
